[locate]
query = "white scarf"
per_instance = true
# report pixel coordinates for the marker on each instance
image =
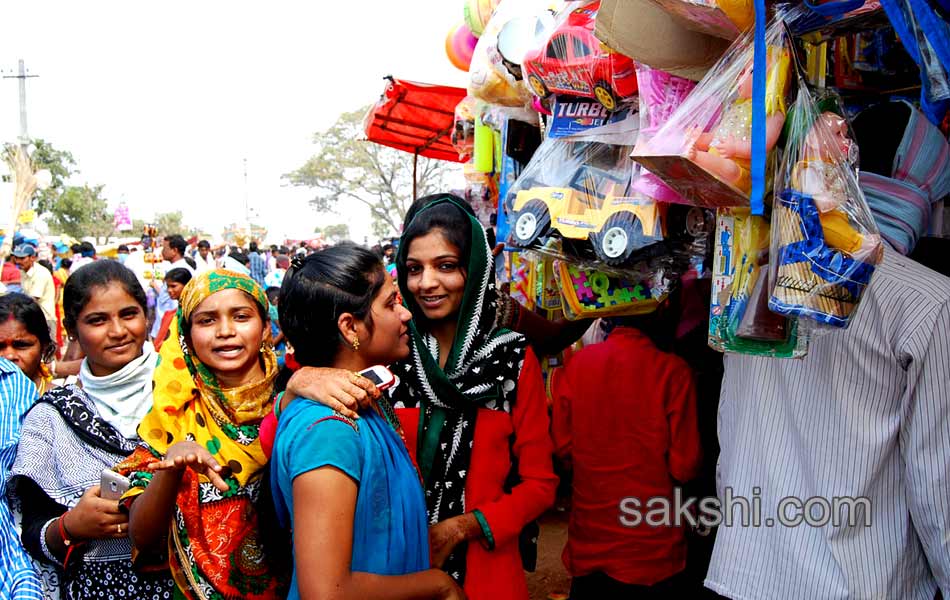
(123, 398)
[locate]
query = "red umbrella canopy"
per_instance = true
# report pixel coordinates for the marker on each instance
(415, 117)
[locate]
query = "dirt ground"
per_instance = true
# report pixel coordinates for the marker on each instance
(550, 576)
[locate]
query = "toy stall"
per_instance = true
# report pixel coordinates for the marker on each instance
(623, 149)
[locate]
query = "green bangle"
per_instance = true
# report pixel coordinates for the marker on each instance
(486, 530)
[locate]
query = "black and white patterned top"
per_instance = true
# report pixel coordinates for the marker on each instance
(64, 446)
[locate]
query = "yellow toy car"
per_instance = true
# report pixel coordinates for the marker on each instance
(596, 207)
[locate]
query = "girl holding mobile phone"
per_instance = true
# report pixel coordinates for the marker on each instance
(78, 538)
(348, 489)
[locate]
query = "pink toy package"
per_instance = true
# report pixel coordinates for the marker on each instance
(660, 94)
(704, 150)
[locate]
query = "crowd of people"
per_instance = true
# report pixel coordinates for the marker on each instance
(213, 433)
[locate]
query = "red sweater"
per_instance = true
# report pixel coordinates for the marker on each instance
(497, 574)
(626, 415)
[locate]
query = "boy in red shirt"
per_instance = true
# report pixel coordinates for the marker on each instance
(624, 414)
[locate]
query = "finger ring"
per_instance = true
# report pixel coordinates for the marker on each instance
(119, 527)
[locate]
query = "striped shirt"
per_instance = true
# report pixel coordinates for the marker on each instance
(865, 414)
(17, 395)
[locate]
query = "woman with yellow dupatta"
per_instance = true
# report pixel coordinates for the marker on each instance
(197, 476)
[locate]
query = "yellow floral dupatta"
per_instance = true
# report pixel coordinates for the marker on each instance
(215, 548)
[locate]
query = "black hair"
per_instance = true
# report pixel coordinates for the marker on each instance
(177, 242)
(273, 247)
(190, 262)
(878, 131)
(81, 285)
(659, 326)
(27, 311)
(239, 256)
(46, 263)
(179, 275)
(65, 263)
(341, 279)
(204, 244)
(252, 246)
(76, 248)
(87, 248)
(273, 294)
(450, 219)
(122, 247)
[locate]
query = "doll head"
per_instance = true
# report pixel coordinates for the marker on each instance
(829, 139)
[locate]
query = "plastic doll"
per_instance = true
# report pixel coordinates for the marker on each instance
(821, 175)
(726, 151)
(826, 240)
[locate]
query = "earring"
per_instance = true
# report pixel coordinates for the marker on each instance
(265, 346)
(356, 344)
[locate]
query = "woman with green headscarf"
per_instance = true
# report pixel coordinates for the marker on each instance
(197, 476)
(471, 402)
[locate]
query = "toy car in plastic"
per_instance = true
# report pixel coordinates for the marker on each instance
(575, 62)
(596, 208)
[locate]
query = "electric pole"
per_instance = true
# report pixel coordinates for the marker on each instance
(22, 76)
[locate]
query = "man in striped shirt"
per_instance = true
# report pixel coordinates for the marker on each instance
(17, 395)
(866, 414)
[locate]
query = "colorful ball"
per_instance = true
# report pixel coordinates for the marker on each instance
(460, 46)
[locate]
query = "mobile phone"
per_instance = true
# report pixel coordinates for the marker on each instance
(112, 485)
(381, 377)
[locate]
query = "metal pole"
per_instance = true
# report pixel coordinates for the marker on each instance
(415, 166)
(22, 76)
(24, 138)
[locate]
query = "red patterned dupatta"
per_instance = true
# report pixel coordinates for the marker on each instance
(215, 547)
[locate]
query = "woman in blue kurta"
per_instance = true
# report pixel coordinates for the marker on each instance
(347, 488)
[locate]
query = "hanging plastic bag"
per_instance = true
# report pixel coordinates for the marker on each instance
(494, 77)
(572, 61)
(588, 293)
(739, 319)
(660, 95)
(463, 128)
(704, 150)
(825, 243)
(578, 190)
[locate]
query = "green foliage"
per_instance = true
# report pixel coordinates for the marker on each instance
(81, 211)
(170, 223)
(60, 164)
(336, 232)
(346, 168)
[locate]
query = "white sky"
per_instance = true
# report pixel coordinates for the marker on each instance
(161, 101)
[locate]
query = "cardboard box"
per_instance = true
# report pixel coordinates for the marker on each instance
(648, 34)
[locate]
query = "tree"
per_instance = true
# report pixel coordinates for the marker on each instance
(170, 223)
(80, 211)
(60, 164)
(337, 232)
(345, 167)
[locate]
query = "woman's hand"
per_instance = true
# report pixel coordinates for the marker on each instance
(445, 535)
(451, 590)
(339, 389)
(194, 456)
(95, 518)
